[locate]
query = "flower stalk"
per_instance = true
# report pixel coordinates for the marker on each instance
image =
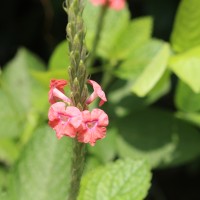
(77, 79)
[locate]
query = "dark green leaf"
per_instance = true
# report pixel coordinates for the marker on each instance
(159, 137)
(186, 99)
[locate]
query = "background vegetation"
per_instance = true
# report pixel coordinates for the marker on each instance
(152, 85)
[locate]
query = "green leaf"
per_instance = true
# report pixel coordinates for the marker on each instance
(60, 57)
(10, 120)
(186, 31)
(160, 89)
(145, 66)
(186, 67)
(114, 24)
(186, 99)
(121, 100)
(8, 151)
(137, 32)
(24, 91)
(159, 137)
(124, 179)
(45, 77)
(105, 149)
(43, 171)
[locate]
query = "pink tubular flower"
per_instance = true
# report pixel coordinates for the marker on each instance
(57, 92)
(93, 126)
(114, 4)
(98, 92)
(98, 2)
(64, 120)
(117, 4)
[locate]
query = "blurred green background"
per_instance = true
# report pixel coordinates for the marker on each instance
(39, 25)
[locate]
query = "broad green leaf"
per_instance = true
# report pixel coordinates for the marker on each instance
(159, 137)
(122, 180)
(193, 118)
(113, 25)
(122, 101)
(186, 31)
(24, 91)
(145, 66)
(43, 171)
(105, 149)
(186, 99)
(186, 67)
(137, 32)
(91, 163)
(152, 72)
(10, 120)
(3, 174)
(60, 57)
(160, 89)
(45, 77)
(8, 151)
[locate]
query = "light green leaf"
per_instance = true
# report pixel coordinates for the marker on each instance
(159, 137)
(186, 99)
(114, 24)
(186, 31)
(186, 67)
(24, 91)
(122, 180)
(10, 119)
(152, 72)
(60, 57)
(8, 151)
(45, 77)
(137, 32)
(105, 149)
(145, 66)
(160, 89)
(43, 171)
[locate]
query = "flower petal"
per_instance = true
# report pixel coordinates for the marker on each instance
(64, 120)
(57, 92)
(98, 92)
(98, 2)
(117, 4)
(93, 126)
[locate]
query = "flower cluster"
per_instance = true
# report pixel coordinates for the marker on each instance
(114, 4)
(68, 120)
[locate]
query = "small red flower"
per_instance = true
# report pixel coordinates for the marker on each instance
(93, 126)
(64, 120)
(98, 92)
(57, 92)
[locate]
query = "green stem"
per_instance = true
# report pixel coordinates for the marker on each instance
(97, 36)
(77, 169)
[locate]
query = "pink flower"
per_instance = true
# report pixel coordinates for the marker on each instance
(93, 126)
(57, 92)
(98, 92)
(117, 4)
(64, 120)
(114, 4)
(98, 2)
